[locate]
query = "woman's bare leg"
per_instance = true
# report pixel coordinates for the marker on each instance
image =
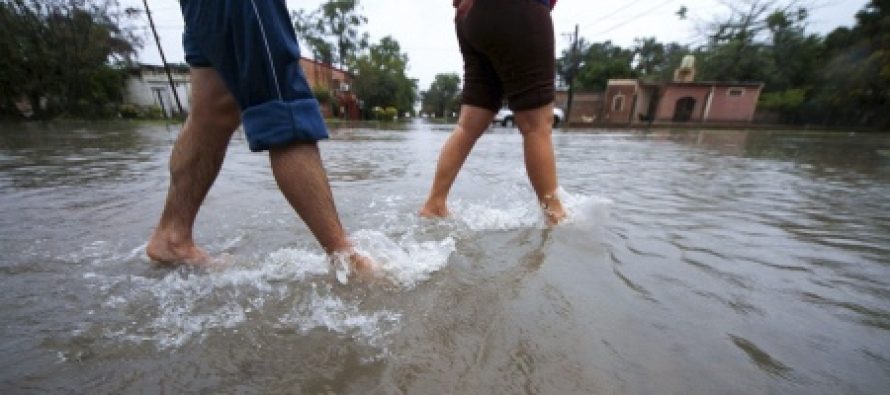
(472, 123)
(540, 163)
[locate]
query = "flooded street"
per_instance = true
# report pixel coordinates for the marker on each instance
(694, 262)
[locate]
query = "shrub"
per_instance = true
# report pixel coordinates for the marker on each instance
(391, 113)
(153, 112)
(378, 113)
(128, 111)
(788, 100)
(788, 104)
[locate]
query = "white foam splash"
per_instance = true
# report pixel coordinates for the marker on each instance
(331, 313)
(189, 305)
(407, 262)
(587, 212)
(516, 214)
(184, 304)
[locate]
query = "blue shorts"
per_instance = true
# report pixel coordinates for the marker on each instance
(251, 43)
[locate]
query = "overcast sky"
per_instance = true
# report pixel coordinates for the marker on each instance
(424, 28)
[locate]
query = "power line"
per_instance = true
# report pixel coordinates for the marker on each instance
(604, 17)
(622, 23)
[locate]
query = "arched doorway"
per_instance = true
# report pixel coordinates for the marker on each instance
(683, 110)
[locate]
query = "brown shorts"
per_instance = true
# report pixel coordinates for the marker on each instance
(508, 50)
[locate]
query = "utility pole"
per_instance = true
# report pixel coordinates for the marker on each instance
(573, 71)
(151, 23)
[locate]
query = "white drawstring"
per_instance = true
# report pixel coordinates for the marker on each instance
(268, 51)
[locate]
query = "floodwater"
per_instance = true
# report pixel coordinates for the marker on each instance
(695, 262)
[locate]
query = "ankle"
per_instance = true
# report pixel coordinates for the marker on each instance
(436, 202)
(171, 237)
(342, 246)
(550, 202)
(434, 209)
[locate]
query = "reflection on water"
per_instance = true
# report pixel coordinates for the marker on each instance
(695, 262)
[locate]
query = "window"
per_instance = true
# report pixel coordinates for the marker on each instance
(736, 92)
(618, 103)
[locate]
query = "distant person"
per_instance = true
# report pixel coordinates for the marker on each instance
(508, 52)
(245, 68)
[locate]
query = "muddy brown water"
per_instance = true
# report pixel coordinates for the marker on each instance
(697, 262)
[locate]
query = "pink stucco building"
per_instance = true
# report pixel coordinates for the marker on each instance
(633, 101)
(681, 101)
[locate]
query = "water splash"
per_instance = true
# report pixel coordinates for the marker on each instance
(584, 212)
(406, 262)
(321, 310)
(587, 213)
(185, 304)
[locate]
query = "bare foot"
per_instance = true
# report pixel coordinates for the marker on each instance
(161, 250)
(553, 210)
(555, 217)
(363, 266)
(357, 265)
(434, 210)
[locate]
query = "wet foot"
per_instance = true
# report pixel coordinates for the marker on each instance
(555, 217)
(166, 252)
(434, 210)
(363, 266)
(358, 266)
(553, 210)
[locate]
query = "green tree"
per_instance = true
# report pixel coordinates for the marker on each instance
(854, 84)
(443, 96)
(650, 57)
(736, 48)
(380, 79)
(604, 61)
(787, 103)
(332, 31)
(794, 58)
(794, 54)
(64, 56)
(568, 64)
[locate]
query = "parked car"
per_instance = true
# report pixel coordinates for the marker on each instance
(504, 117)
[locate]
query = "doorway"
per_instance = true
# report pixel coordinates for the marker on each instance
(683, 110)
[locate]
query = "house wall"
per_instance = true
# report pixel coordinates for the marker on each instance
(726, 108)
(586, 106)
(320, 75)
(141, 88)
(644, 100)
(667, 104)
(713, 102)
(627, 89)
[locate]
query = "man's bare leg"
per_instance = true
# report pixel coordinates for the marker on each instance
(540, 163)
(304, 183)
(472, 123)
(194, 164)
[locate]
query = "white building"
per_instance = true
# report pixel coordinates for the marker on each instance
(148, 86)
